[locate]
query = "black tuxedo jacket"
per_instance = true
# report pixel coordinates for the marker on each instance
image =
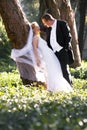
(63, 36)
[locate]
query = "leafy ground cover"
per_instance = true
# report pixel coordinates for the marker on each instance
(34, 108)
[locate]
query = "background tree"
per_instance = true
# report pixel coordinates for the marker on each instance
(30, 7)
(49, 6)
(82, 10)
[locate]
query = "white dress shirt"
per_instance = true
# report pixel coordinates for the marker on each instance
(53, 41)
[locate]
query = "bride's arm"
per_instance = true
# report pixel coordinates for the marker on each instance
(35, 46)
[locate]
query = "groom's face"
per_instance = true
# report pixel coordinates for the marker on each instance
(46, 23)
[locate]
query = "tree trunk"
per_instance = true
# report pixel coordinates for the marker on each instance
(49, 6)
(61, 9)
(15, 22)
(17, 28)
(82, 10)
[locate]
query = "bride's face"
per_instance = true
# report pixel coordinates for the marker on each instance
(37, 29)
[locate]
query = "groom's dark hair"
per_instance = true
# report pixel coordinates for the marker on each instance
(47, 16)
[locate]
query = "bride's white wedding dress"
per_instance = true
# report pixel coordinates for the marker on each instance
(49, 70)
(53, 72)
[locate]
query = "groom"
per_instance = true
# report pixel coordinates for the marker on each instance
(58, 39)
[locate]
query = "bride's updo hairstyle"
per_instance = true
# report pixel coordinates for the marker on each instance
(34, 24)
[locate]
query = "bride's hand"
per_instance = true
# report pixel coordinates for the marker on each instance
(38, 62)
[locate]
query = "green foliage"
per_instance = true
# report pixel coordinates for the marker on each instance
(5, 46)
(80, 72)
(32, 108)
(7, 65)
(31, 9)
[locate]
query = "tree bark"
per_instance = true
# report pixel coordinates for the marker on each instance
(16, 24)
(49, 6)
(82, 10)
(17, 28)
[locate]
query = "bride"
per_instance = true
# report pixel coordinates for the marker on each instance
(46, 64)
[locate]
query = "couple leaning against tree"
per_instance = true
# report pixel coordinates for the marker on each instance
(49, 58)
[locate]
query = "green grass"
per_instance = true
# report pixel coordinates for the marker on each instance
(33, 108)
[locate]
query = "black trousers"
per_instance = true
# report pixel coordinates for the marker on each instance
(62, 57)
